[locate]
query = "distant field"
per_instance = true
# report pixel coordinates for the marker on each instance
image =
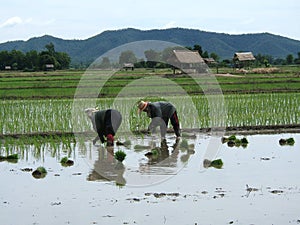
(63, 84)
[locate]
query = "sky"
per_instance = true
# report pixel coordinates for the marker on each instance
(72, 19)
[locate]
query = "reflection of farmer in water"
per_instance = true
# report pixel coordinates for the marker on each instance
(107, 168)
(160, 114)
(161, 156)
(105, 123)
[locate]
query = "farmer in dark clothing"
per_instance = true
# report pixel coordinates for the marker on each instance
(160, 114)
(105, 123)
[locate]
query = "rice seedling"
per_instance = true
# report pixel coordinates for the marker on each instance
(217, 163)
(39, 173)
(120, 155)
(38, 116)
(233, 141)
(65, 161)
(288, 141)
(10, 158)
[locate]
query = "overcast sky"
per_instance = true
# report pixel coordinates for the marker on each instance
(72, 19)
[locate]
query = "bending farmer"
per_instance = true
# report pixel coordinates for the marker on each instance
(160, 114)
(105, 123)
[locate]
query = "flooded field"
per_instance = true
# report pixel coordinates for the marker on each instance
(257, 184)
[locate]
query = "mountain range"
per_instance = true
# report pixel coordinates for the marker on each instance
(224, 45)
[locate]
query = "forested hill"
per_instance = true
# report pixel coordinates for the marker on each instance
(224, 45)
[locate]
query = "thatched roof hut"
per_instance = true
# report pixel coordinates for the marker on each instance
(209, 60)
(243, 56)
(188, 57)
(243, 59)
(187, 61)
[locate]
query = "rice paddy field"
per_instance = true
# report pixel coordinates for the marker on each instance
(52, 173)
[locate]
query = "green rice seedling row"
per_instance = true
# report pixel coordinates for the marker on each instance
(29, 116)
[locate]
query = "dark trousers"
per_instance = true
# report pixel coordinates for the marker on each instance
(174, 122)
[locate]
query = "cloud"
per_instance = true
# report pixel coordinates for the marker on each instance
(11, 22)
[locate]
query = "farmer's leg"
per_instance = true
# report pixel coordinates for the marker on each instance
(163, 127)
(175, 124)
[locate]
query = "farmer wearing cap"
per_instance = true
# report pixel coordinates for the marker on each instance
(105, 123)
(160, 114)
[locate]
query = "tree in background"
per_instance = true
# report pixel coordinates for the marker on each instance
(214, 56)
(105, 63)
(60, 60)
(127, 57)
(198, 48)
(152, 57)
(297, 60)
(289, 59)
(33, 60)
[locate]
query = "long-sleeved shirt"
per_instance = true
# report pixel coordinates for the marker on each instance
(163, 110)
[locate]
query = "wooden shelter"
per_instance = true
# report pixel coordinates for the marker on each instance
(242, 59)
(187, 61)
(209, 61)
(127, 66)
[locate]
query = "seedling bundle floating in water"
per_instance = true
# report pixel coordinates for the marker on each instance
(10, 158)
(120, 155)
(217, 163)
(288, 141)
(66, 162)
(39, 173)
(234, 141)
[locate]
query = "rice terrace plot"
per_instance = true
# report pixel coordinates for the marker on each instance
(250, 186)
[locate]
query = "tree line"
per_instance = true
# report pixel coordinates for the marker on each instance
(155, 59)
(33, 60)
(51, 59)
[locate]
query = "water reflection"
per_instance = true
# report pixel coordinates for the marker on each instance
(165, 156)
(107, 168)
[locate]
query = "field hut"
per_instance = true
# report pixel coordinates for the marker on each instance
(127, 66)
(49, 66)
(243, 59)
(187, 61)
(209, 61)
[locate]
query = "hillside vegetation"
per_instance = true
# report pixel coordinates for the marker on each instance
(225, 45)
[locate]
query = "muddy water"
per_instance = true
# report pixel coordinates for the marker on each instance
(258, 184)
